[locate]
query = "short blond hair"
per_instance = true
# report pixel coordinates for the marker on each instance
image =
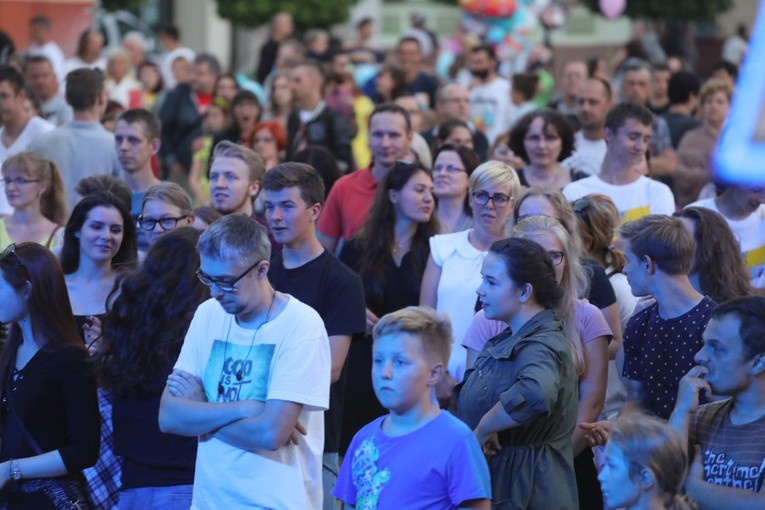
(495, 173)
(715, 85)
(664, 239)
(432, 328)
(255, 165)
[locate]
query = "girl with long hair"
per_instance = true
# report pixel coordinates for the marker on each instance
(48, 412)
(34, 189)
(520, 398)
(718, 269)
(390, 253)
(586, 333)
(452, 168)
(99, 240)
(143, 333)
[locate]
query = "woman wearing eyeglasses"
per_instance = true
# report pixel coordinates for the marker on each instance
(34, 188)
(452, 168)
(454, 267)
(48, 406)
(99, 240)
(143, 333)
(166, 206)
(586, 332)
(543, 138)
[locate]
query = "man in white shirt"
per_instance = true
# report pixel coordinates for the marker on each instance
(42, 44)
(594, 101)
(627, 133)
(253, 369)
(19, 126)
(42, 79)
(490, 105)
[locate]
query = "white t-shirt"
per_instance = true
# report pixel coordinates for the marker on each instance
(52, 52)
(34, 127)
(289, 360)
(460, 264)
(639, 198)
(750, 233)
(588, 155)
(490, 108)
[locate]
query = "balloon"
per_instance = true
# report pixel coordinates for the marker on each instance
(611, 9)
(490, 8)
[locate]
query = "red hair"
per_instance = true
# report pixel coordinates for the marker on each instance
(276, 130)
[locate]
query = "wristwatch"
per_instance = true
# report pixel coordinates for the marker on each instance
(13, 466)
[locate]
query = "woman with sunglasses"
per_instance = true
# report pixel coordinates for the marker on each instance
(34, 189)
(586, 332)
(48, 405)
(389, 252)
(454, 266)
(99, 240)
(166, 206)
(143, 333)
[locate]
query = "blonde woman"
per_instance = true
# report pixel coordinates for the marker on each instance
(453, 270)
(34, 188)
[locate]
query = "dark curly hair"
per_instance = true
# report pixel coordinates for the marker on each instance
(553, 120)
(146, 323)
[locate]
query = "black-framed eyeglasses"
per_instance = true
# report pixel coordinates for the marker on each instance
(148, 224)
(556, 256)
(498, 199)
(18, 181)
(224, 286)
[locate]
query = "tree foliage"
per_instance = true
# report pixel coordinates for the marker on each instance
(306, 13)
(696, 10)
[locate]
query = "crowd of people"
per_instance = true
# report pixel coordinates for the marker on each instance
(307, 291)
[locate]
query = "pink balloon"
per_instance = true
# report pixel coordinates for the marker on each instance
(611, 9)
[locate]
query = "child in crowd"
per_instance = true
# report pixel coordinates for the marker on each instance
(645, 465)
(417, 456)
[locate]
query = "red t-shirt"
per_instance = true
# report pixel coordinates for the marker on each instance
(347, 204)
(203, 101)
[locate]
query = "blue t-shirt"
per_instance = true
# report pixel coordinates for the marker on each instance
(438, 466)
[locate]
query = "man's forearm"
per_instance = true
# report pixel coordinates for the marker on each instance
(715, 497)
(269, 430)
(193, 418)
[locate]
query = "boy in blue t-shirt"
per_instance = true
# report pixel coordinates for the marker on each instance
(417, 456)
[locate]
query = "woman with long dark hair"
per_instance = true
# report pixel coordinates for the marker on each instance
(390, 253)
(99, 240)
(143, 333)
(48, 411)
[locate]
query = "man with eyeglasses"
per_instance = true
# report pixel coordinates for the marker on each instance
(453, 102)
(252, 380)
(137, 140)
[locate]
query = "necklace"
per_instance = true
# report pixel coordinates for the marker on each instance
(238, 374)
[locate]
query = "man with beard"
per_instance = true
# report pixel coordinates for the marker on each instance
(727, 471)
(490, 105)
(593, 103)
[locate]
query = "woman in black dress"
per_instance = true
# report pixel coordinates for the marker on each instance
(48, 409)
(390, 253)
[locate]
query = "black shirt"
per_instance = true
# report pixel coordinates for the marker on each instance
(336, 293)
